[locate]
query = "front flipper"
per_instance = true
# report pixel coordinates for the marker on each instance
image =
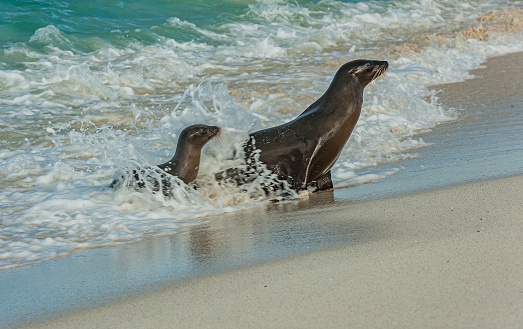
(323, 182)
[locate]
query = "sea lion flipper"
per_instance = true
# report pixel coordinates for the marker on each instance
(324, 182)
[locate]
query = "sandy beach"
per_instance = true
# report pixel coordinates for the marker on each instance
(449, 258)
(440, 255)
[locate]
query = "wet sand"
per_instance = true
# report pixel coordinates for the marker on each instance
(446, 253)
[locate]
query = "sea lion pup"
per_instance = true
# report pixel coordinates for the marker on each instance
(304, 150)
(185, 163)
(186, 160)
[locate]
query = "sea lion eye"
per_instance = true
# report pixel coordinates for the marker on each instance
(204, 131)
(363, 68)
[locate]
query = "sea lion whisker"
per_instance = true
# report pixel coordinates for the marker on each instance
(380, 73)
(218, 137)
(376, 77)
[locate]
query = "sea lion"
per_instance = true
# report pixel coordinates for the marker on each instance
(304, 150)
(184, 164)
(186, 160)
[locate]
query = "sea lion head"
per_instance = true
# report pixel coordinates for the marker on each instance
(199, 134)
(364, 70)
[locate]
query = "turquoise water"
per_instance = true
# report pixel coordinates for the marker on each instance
(115, 21)
(85, 19)
(91, 87)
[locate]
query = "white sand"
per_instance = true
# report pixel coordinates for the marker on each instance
(443, 259)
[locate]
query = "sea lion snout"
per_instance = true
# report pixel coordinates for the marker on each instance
(214, 132)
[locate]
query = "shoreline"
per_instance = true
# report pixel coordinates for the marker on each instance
(229, 246)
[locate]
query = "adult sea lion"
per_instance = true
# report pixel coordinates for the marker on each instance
(304, 150)
(185, 163)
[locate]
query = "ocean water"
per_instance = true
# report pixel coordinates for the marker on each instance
(87, 89)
